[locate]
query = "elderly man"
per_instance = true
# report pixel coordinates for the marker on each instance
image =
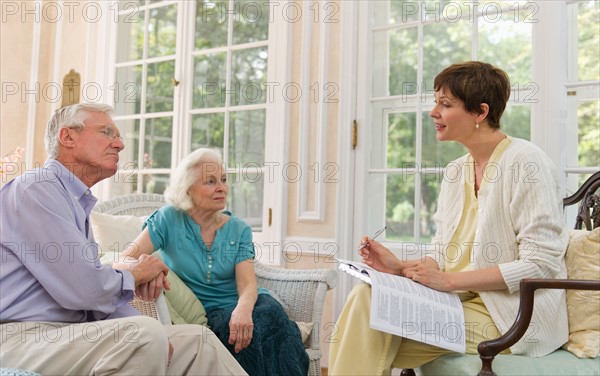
(61, 311)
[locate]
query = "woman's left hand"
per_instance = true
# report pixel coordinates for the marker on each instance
(150, 291)
(428, 275)
(240, 328)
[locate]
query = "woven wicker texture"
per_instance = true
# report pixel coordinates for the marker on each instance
(301, 291)
(146, 308)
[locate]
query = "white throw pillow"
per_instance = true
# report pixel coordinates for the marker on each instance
(305, 329)
(113, 233)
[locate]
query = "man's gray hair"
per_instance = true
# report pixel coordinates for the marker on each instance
(186, 174)
(70, 117)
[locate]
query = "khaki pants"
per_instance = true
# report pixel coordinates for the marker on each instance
(128, 346)
(356, 349)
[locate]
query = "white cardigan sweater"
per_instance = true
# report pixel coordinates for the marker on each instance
(521, 229)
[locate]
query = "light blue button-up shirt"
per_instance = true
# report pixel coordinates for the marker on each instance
(49, 268)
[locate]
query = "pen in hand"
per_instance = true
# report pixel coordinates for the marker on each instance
(372, 237)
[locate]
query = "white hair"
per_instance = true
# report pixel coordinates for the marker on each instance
(70, 117)
(186, 174)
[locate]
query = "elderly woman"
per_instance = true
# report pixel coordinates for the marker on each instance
(211, 250)
(506, 195)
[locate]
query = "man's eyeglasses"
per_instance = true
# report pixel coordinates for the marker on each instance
(111, 134)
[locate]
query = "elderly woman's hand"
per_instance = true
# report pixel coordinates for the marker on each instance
(241, 328)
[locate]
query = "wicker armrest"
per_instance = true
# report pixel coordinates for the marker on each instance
(156, 309)
(302, 293)
(489, 349)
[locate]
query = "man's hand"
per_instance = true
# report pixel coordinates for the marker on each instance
(152, 290)
(148, 268)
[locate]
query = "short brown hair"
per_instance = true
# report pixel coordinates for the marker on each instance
(474, 83)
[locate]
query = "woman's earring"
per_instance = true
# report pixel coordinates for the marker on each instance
(476, 125)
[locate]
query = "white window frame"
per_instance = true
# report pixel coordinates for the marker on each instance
(576, 90)
(549, 127)
(408, 103)
(277, 112)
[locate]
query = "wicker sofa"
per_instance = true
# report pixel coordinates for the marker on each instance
(302, 292)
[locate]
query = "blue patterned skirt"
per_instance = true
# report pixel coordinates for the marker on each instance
(276, 347)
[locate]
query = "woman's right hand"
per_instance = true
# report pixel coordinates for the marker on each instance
(379, 257)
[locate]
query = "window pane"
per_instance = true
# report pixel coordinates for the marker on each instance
(130, 5)
(445, 10)
(438, 153)
(128, 89)
(131, 35)
(130, 131)
(401, 72)
(430, 189)
(588, 58)
(403, 11)
(251, 22)
(153, 183)
(395, 12)
(401, 140)
(248, 76)
(444, 44)
(124, 182)
(516, 121)
(209, 81)
(159, 92)
(211, 23)
(245, 199)
(247, 138)
(588, 121)
(507, 44)
(158, 142)
(208, 131)
(400, 207)
(162, 31)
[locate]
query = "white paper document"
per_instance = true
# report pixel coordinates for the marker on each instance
(408, 309)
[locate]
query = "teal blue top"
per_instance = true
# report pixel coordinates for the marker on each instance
(208, 271)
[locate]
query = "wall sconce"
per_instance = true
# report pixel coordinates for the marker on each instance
(71, 88)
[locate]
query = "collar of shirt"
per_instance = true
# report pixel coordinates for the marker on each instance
(72, 184)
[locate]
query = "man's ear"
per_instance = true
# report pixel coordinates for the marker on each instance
(485, 109)
(65, 138)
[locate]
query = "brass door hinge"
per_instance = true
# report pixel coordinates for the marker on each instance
(354, 134)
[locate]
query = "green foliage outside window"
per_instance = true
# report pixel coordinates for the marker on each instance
(503, 42)
(588, 68)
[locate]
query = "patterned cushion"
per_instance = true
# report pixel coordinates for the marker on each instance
(16, 372)
(583, 262)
